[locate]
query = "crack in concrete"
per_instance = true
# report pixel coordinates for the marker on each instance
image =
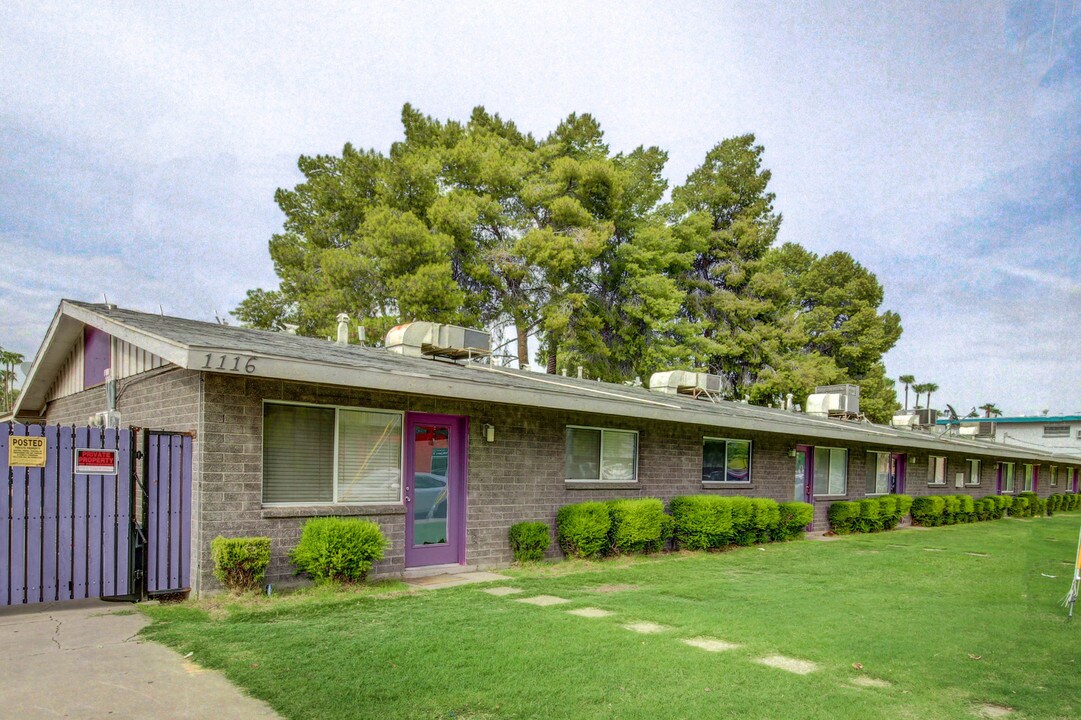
(56, 632)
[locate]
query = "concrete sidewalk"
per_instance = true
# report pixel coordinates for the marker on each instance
(82, 660)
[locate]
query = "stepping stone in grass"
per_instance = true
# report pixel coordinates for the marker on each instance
(792, 665)
(976, 554)
(501, 591)
(544, 600)
(870, 682)
(647, 628)
(590, 612)
(933, 549)
(710, 644)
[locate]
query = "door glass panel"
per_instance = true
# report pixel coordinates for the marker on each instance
(431, 459)
(801, 475)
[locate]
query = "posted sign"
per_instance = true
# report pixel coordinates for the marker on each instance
(95, 462)
(26, 451)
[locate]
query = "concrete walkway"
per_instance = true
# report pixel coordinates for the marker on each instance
(82, 660)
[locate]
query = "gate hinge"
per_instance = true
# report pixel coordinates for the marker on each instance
(138, 454)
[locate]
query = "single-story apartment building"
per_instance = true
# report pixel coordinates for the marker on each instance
(446, 454)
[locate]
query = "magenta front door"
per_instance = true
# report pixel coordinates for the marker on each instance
(435, 477)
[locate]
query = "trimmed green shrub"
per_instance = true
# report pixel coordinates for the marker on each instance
(240, 563)
(928, 510)
(887, 512)
(743, 530)
(638, 526)
(843, 515)
(582, 529)
(953, 506)
(868, 518)
(765, 517)
(904, 505)
(985, 508)
(1054, 502)
(529, 540)
(793, 519)
(1019, 507)
(1072, 501)
(701, 522)
(338, 549)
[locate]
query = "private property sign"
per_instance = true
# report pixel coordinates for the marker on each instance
(92, 461)
(26, 451)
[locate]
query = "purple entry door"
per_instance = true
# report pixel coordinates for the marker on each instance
(898, 461)
(803, 487)
(435, 477)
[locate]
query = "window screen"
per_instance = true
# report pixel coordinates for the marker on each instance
(298, 454)
(618, 455)
(583, 459)
(369, 456)
(973, 473)
(878, 473)
(1006, 469)
(830, 471)
(936, 470)
(601, 455)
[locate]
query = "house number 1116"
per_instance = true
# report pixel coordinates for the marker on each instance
(229, 363)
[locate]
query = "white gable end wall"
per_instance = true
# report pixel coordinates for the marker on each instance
(70, 378)
(131, 360)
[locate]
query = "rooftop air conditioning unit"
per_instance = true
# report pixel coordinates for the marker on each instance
(685, 382)
(904, 420)
(926, 417)
(834, 400)
(419, 339)
(985, 430)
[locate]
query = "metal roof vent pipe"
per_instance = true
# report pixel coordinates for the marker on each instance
(343, 329)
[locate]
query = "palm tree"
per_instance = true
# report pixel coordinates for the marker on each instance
(907, 380)
(990, 410)
(929, 388)
(8, 361)
(919, 389)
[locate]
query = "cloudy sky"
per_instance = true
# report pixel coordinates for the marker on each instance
(939, 143)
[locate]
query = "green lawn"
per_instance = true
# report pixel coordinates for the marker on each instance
(948, 630)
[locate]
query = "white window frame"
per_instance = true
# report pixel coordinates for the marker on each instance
(750, 462)
(335, 502)
(1028, 474)
(968, 471)
(815, 449)
(945, 470)
(600, 464)
(877, 454)
(1052, 475)
(1007, 490)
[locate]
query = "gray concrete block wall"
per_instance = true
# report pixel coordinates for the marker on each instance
(519, 476)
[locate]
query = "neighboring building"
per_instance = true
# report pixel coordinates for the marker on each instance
(1060, 434)
(446, 455)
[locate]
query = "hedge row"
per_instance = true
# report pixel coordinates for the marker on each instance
(696, 522)
(935, 510)
(868, 515)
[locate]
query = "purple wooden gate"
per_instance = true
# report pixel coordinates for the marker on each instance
(65, 535)
(167, 504)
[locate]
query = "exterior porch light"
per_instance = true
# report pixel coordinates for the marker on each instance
(489, 432)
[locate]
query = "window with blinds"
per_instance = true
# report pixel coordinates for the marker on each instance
(830, 471)
(298, 454)
(369, 456)
(599, 455)
(300, 464)
(878, 473)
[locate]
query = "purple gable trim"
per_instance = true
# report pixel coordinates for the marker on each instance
(97, 356)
